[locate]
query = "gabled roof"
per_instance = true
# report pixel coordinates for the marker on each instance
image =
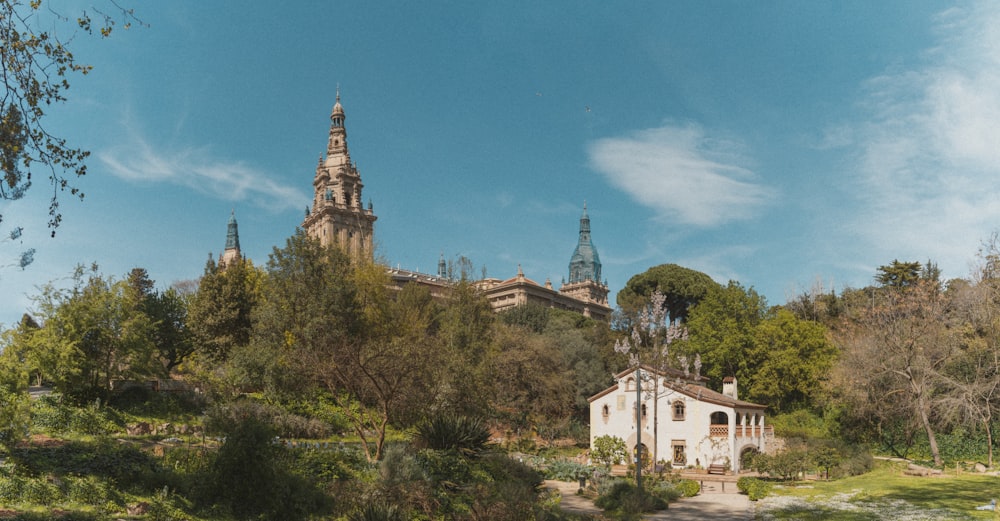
(675, 380)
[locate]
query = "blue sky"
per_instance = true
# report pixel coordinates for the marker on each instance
(781, 144)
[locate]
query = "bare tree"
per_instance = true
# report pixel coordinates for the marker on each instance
(895, 349)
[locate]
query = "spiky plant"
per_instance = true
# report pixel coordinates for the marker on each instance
(468, 436)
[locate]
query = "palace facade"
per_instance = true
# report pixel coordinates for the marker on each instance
(337, 217)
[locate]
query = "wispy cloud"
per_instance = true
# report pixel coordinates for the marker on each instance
(930, 153)
(683, 174)
(196, 168)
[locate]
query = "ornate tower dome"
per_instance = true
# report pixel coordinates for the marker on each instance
(585, 264)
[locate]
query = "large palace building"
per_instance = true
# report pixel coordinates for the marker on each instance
(338, 218)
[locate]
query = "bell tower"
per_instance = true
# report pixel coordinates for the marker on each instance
(337, 216)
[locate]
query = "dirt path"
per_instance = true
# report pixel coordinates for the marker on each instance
(711, 505)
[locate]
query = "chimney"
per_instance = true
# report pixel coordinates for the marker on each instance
(729, 387)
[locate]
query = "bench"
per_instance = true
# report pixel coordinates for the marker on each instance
(716, 469)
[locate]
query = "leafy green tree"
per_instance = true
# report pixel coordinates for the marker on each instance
(219, 314)
(609, 450)
(36, 66)
(172, 338)
(15, 408)
(722, 330)
(581, 340)
(682, 288)
(532, 386)
(898, 274)
(794, 359)
(464, 339)
(531, 316)
(91, 335)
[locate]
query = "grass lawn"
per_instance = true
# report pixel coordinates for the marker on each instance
(883, 494)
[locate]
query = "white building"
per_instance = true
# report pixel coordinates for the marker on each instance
(692, 425)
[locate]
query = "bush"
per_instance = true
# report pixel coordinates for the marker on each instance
(52, 414)
(754, 488)
(688, 487)
(377, 512)
(565, 470)
(609, 450)
(467, 436)
(225, 417)
(625, 499)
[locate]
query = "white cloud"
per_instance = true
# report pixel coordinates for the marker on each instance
(682, 174)
(195, 168)
(930, 153)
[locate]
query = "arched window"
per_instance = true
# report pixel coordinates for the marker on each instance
(678, 410)
(719, 418)
(630, 384)
(605, 411)
(643, 410)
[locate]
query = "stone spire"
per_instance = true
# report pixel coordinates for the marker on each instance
(585, 263)
(232, 251)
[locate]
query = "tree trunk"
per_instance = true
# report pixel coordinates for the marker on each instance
(931, 439)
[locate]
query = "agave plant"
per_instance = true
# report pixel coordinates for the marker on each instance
(468, 436)
(377, 512)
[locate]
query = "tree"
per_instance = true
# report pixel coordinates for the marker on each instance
(898, 274)
(171, 335)
(794, 358)
(894, 352)
(609, 450)
(722, 330)
(532, 386)
(36, 66)
(329, 322)
(91, 335)
(649, 344)
(219, 314)
(681, 287)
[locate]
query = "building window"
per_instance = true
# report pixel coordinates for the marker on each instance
(605, 411)
(678, 410)
(680, 452)
(643, 410)
(630, 384)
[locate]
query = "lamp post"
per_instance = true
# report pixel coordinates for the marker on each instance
(638, 427)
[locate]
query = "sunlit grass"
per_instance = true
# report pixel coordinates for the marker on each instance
(884, 494)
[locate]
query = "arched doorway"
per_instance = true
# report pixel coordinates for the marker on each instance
(719, 418)
(746, 457)
(646, 456)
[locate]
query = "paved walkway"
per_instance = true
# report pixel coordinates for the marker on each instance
(711, 505)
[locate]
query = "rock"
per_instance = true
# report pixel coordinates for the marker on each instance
(138, 429)
(979, 467)
(137, 509)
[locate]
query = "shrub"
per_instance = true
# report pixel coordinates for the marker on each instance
(53, 414)
(565, 470)
(609, 450)
(688, 487)
(377, 512)
(467, 436)
(225, 417)
(625, 499)
(754, 488)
